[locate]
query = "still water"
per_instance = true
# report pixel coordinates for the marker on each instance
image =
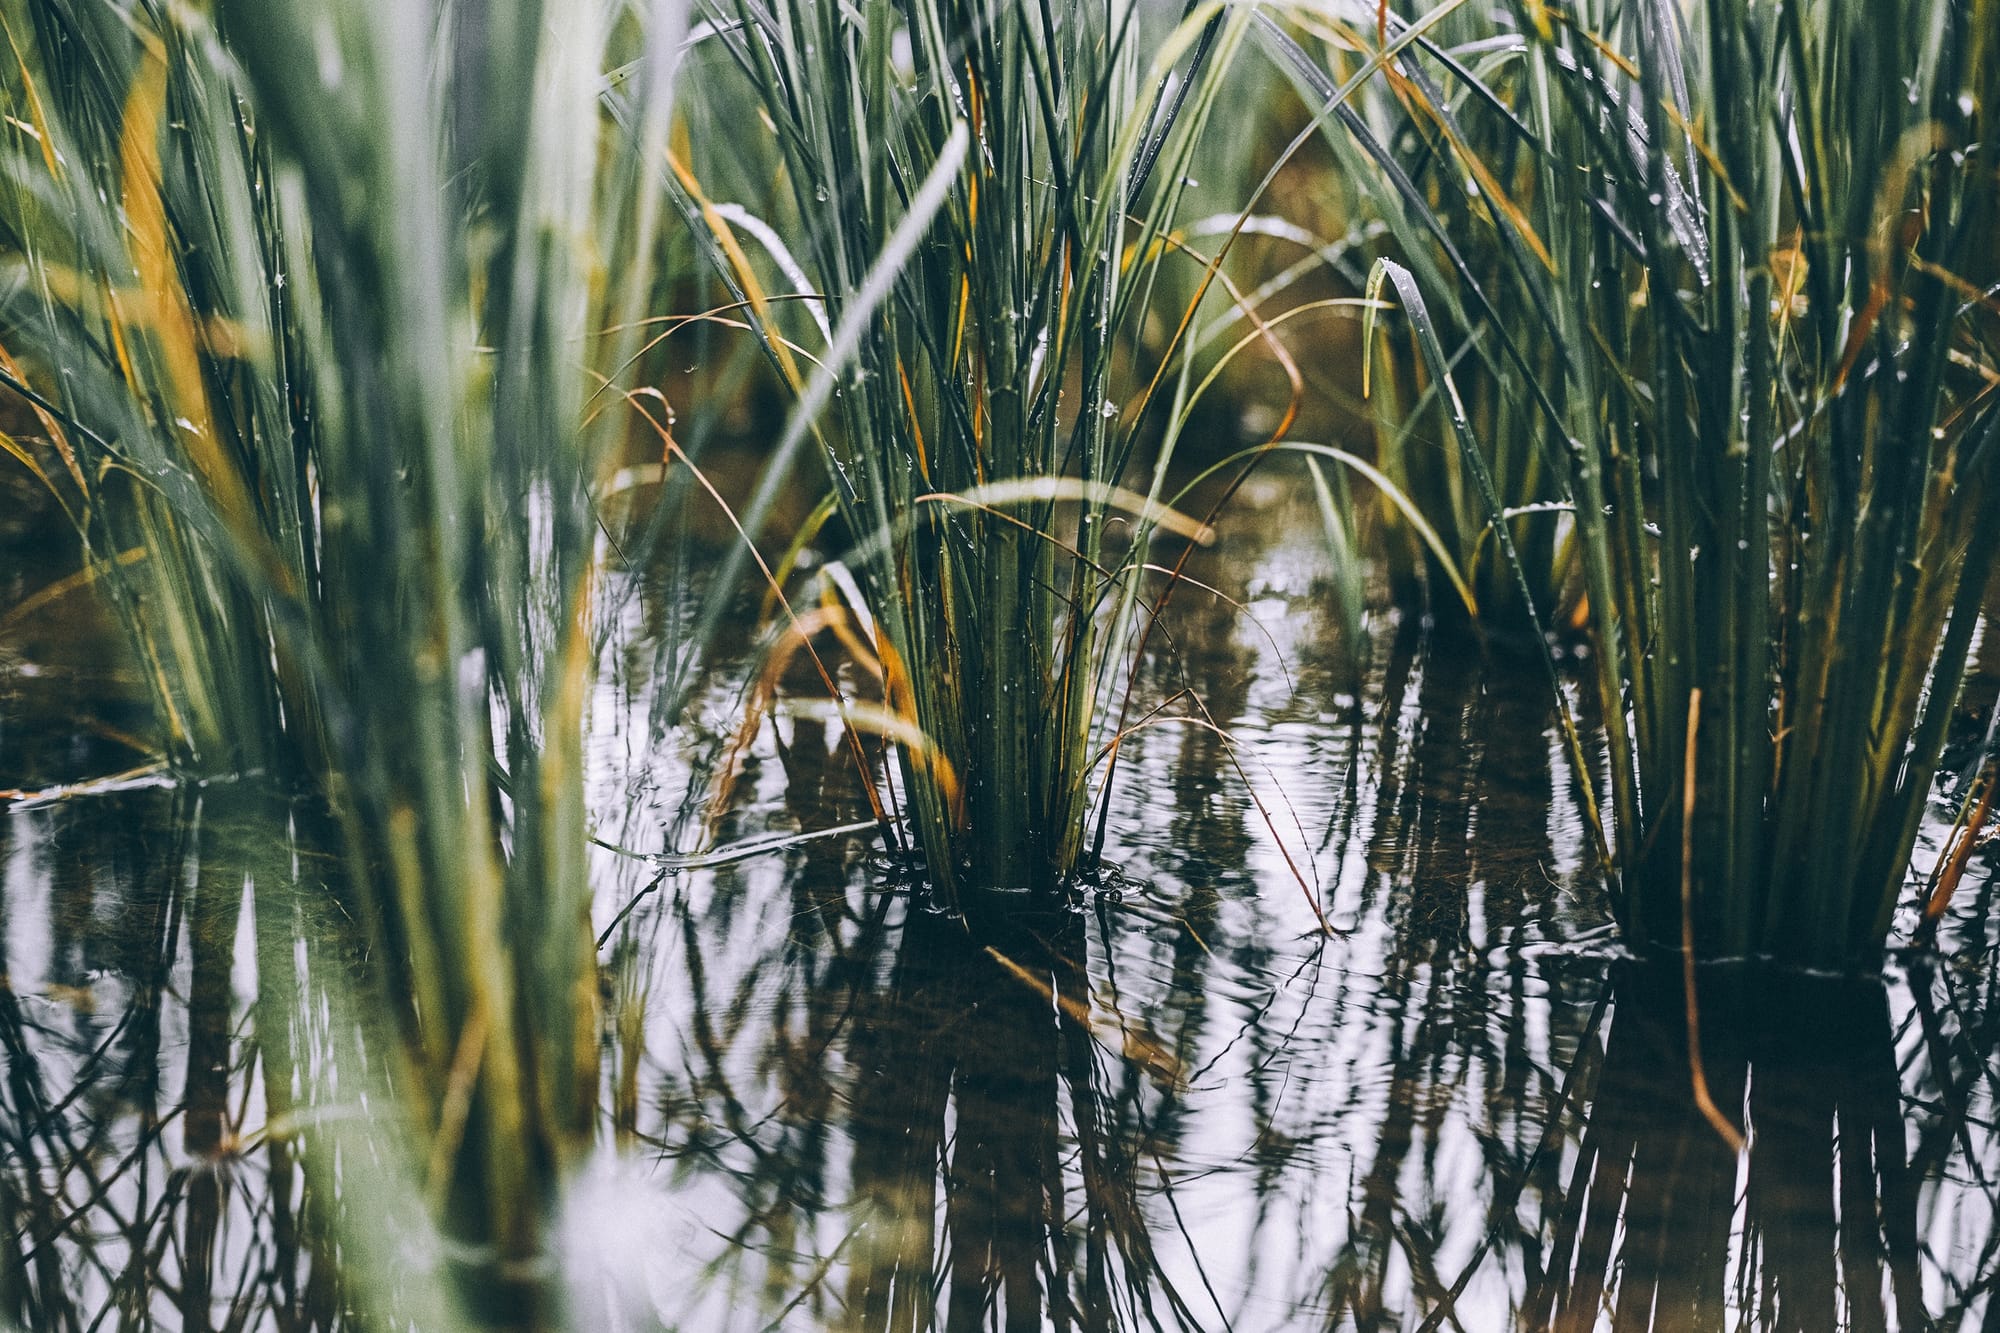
(1343, 1041)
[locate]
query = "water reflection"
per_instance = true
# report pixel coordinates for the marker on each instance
(987, 1143)
(1180, 1108)
(1844, 1214)
(1179, 1103)
(138, 1184)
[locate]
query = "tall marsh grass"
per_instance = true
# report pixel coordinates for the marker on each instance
(1422, 158)
(327, 311)
(980, 449)
(1748, 304)
(339, 320)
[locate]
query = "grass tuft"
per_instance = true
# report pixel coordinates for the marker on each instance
(978, 446)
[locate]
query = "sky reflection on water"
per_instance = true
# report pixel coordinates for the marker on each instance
(1175, 1103)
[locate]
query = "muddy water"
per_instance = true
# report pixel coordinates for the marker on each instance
(1342, 1043)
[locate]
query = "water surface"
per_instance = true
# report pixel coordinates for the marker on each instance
(1342, 1042)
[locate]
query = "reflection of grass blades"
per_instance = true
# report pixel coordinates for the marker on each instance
(955, 1066)
(1159, 717)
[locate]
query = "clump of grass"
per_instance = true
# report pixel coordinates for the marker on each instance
(1760, 335)
(1423, 157)
(326, 309)
(978, 450)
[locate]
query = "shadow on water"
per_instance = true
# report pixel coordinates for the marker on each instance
(1177, 1103)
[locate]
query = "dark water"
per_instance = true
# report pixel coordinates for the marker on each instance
(1183, 1103)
